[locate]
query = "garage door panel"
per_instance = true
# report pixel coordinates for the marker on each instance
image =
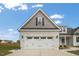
(42, 43)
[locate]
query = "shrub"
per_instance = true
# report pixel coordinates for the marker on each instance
(63, 47)
(5, 47)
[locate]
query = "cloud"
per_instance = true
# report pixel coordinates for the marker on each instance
(58, 22)
(6, 36)
(57, 16)
(9, 34)
(10, 30)
(37, 5)
(12, 4)
(16, 5)
(23, 7)
(1, 9)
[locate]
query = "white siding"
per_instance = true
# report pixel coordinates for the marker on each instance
(74, 41)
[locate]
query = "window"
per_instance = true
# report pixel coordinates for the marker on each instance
(43, 37)
(49, 37)
(63, 29)
(63, 41)
(22, 37)
(57, 36)
(29, 37)
(77, 39)
(39, 21)
(36, 37)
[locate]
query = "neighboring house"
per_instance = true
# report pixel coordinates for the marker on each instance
(39, 32)
(6, 41)
(3, 41)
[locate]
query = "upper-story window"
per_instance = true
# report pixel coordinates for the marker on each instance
(39, 21)
(63, 29)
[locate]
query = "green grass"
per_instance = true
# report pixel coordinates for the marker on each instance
(5, 48)
(74, 52)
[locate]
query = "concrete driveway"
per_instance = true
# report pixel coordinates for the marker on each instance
(40, 52)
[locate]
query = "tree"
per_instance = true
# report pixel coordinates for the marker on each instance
(18, 41)
(0, 41)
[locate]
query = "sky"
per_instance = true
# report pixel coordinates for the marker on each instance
(13, 15)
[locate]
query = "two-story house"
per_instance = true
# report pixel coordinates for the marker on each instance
(39, 32)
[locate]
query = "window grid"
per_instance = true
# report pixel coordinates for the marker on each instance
(43, 37)
(29, 37)
(36, 37)
(39, 37)
(39, 21)
(49, 37)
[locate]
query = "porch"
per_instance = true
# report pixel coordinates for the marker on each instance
(66, 40)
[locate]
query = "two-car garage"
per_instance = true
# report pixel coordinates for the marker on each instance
(36, 40)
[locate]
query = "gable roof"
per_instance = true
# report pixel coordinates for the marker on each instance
(76, 31)
(71, 31)
(35, 14)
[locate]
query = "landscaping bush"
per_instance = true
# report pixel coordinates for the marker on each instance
(6, 47)
(63, 47)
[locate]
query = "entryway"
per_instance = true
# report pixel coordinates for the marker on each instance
(66, 41)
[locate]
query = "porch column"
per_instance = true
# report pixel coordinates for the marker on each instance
(65, 40)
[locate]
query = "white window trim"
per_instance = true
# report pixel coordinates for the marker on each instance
(39, 19)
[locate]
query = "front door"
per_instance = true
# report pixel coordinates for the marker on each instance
(62, 40)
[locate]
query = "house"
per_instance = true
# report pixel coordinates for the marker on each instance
(39, 32)
(3, 41)
(6, 41)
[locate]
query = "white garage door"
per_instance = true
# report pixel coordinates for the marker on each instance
(39, 42)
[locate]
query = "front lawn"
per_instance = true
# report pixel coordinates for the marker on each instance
(74, 52)
(5, 48)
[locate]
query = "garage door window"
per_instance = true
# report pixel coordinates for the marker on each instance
(49, 38)
(43, 37)
(29, 37)
(36, 37)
